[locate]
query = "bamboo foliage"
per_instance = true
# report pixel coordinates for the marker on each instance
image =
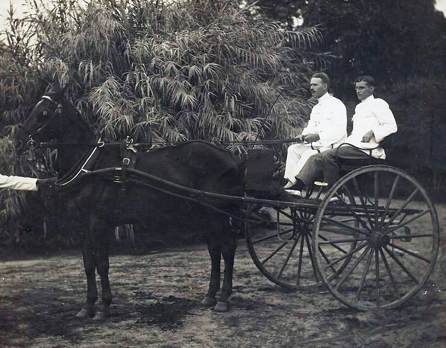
(164, 71)
(173, 70)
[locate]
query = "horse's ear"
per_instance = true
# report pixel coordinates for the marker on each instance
(60, 93)
(57, 93)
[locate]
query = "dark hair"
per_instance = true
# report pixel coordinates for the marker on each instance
(323, 76)
(367, 79)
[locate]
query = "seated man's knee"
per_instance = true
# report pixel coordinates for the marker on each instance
(294, 148)
(329, 154)
(315, 158)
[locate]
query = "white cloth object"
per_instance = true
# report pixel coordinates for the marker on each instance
(328, 118)
(297, 156)
(18, 183)
(294, 193)
(372, 114)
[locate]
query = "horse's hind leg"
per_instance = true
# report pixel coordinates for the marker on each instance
(92, 291)
(228, 251)
(214, 283)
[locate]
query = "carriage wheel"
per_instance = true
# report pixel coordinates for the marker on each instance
(283, 250)
(397, 238)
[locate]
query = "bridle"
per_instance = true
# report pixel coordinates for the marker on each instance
(32, 144)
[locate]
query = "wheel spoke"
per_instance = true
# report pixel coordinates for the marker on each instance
(356, 216)
(394, 228)
(335, 222)
(310, 253)
(389, 271)
(289, 216)
(363, 201)
(413, 236)
(378, 289)
(280, 247)
(346, 255)
(415, 280)
(376, 192)
(389, 199)
(364, 275)
(406, 202)
(410, 252)
(337, 231)
(299, 269)
(350, 271)
(288, 256)
(343, 241)
(327, 260)
(333, 245)
(271, 236)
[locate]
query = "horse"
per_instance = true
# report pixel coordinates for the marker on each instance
(101, 187)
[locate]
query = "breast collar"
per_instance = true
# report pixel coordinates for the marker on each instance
(85, 165)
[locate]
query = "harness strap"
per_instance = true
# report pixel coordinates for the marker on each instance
(127, 153)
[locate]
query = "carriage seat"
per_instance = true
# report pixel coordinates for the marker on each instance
(349, 163)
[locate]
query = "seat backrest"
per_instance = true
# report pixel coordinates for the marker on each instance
(347, 164)
(388, 142)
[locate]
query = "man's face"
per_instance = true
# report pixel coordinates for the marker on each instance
(363, 90)
(317, 87)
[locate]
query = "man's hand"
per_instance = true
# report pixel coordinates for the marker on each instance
(367, 137)
(300, 138)
(311, 138)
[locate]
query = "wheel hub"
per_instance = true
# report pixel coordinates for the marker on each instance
(379, 240)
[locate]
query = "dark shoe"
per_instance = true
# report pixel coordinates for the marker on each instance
(297, 186)
(288, 185)
(292, 196)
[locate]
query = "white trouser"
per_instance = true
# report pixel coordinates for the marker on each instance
(297, 156)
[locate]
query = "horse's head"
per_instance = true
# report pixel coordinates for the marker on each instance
(42, 124)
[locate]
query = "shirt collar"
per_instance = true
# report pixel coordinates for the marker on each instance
(325, 97)
(372, 97)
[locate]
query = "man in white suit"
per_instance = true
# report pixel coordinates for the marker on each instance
(326, 129)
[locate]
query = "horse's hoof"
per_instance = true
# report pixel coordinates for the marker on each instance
(83, 313)
(100, 316)
(208, 301)
(221, 307)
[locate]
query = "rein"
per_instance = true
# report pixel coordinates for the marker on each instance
(104, 144)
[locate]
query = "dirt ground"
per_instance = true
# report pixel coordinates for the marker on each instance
(157, 304)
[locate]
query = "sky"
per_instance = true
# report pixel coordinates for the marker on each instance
(4, 6)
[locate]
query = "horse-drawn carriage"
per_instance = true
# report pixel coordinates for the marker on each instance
(372, 239)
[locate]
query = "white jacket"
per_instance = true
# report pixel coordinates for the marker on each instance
(18, 183)
(372, 114)
(328, 119)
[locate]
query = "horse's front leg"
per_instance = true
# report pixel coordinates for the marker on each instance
(100, 232)
(214, 282)
(228, 252)
(103, 268)
(92, 291)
